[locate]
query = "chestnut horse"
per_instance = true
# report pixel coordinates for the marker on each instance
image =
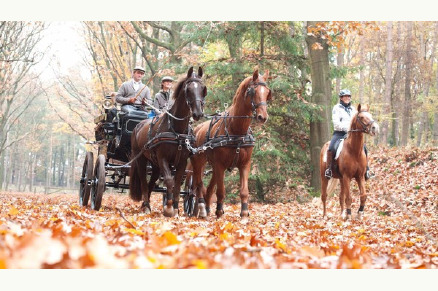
(351, 162)
(162, 142)
(228, 143)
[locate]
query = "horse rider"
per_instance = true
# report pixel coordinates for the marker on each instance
(162, 98)
(133, 93)
(342, 114)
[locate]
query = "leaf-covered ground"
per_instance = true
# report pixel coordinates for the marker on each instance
(399, 229)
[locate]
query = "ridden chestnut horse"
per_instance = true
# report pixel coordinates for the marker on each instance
(351, 162)
(228, 143)
(162, 143)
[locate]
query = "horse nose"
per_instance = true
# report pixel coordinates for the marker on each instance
(261, 119)
(375, 128)
(197, 116)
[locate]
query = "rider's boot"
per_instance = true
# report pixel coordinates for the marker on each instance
(328, 170)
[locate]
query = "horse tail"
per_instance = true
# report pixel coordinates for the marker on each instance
(331, 186)
(137, 172)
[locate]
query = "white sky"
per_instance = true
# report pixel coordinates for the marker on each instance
(65, 46)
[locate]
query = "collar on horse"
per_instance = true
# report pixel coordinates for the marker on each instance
(251, 93)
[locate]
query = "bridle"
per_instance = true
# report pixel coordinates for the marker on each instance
(365, 127)
(187, 82)
(251, 93)
(193, 79)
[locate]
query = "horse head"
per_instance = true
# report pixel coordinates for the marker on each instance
(364, 121)
(195, 92)
(260, 94)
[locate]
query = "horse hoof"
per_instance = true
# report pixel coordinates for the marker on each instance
(168, 211)
(347, 217)
(219, 213)
(360, 215)
(244, 214)
(202, 211)
(147, 210)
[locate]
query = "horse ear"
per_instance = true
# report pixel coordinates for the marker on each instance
(190, 72)
(359, 107)
(205, 91)
(255, 75)
(266, 75)
(200, 72)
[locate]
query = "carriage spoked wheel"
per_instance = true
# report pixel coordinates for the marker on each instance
(85, 181)
(98, 183)
(190, 204)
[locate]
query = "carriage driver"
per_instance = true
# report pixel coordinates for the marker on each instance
(133, 92)
(162, 98)
(342, 114)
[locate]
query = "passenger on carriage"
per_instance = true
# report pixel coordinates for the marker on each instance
(342, 114)
(162, 99)
(133, 93)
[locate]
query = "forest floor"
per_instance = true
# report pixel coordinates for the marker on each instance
(399, 228)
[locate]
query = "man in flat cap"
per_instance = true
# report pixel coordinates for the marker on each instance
(163, 98)
(133, 93)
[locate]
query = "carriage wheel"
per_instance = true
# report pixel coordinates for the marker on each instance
(87, 174)
(189, 199)
(98, 185)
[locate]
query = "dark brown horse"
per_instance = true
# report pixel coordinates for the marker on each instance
(163, 144)
(228, 144)
(351, 162)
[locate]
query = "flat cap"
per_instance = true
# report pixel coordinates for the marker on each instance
(139, 68)
(166, 78)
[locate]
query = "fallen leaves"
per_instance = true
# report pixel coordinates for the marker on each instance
(398, 230)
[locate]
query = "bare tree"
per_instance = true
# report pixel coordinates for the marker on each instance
(18, 54)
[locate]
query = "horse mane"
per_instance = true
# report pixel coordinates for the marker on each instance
(242, 89)
(179, 87)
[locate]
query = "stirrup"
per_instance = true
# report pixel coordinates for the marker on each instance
(369, 174)
(328, 173)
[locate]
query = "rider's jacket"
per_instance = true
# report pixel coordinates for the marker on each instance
(127, 91)
(163, 99)
(341, 117)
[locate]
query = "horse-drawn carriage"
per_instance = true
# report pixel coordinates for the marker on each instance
(113, 140)
(138, 145)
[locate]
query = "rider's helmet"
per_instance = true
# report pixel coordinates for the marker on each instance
(344, 92)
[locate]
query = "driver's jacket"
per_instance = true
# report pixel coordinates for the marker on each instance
(341, 117)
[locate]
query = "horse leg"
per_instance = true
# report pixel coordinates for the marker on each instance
(169, 182)
(342, 196)
(177, 187)
(209, 191)
(220, 191)
(244, 192)
(347, 194)
(198, 186)
(363, 197)
(324, 183)
(154, 177)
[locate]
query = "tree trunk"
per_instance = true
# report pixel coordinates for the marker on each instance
(321, 95)
(361, 72)
(408, 79)
(340, 64)
(388, 85)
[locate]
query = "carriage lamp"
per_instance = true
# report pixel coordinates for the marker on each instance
(108, 103)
